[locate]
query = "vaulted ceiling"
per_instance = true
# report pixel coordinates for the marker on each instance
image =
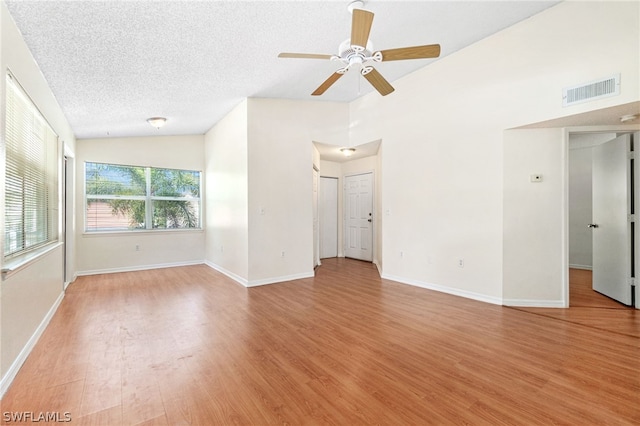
(113, 64)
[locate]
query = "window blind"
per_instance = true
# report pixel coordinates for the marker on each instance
(31, 175)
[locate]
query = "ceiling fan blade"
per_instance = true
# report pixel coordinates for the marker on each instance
(304, 55)
(327, 83)
(377, 81)
(415, 52)
(360, 27)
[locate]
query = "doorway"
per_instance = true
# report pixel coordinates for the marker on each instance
(602, 234)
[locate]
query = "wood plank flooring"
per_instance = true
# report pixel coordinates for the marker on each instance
(592, 309)
(187, 345)
(582, 295)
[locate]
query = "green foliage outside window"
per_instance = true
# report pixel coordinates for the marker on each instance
(130, 197)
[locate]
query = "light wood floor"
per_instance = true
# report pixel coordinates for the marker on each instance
(189, 346)
(592, 309)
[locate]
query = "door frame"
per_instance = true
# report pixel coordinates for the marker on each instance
(316, 216)
(68, 215)
(568, 131)
(373, 211)
(321, 207)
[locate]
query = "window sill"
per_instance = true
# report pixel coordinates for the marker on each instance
(94, 234)
(13, 266)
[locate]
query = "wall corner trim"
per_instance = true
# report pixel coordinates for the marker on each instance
(6, 381)
(378, 266)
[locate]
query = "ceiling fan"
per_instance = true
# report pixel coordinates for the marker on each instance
(357, 52)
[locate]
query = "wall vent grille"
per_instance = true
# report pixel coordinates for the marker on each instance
(593, 90)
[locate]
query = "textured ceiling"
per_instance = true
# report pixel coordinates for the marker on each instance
(113, 64)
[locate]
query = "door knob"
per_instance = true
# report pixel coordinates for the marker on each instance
(592, 225)
(369, 220)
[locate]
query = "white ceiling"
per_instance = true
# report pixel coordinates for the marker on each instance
(113, 64)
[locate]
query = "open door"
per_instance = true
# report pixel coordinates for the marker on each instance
(613, 226)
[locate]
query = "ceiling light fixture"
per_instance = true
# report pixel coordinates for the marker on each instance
(629, 117)
(157, 122)
(348, 152)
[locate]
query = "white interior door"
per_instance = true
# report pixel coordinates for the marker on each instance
(328, 217)
(358, 225)
(612, 263)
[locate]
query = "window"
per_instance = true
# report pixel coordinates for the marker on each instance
(120, 198)
(31, 175)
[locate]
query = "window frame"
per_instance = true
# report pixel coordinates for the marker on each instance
(148, 202)
(47, 210)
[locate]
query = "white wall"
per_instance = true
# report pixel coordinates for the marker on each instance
(112, 252)
(443, 158)
(29, 297)
(227, 239)
(280, 153)
(533, 235)
(580, 200)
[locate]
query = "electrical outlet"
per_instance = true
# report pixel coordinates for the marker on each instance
(282, 254)
(461, 263)
(401, 254)
(137, 247)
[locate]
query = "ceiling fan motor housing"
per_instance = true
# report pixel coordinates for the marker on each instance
(352, 55)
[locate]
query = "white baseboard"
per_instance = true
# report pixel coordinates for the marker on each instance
(276, 280)
(256, 283)
(138, 268)
(6, 381)
(585, 267)
(235, 277)
(447, 290)
(524, 303)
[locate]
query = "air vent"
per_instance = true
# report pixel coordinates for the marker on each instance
(593, 90)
